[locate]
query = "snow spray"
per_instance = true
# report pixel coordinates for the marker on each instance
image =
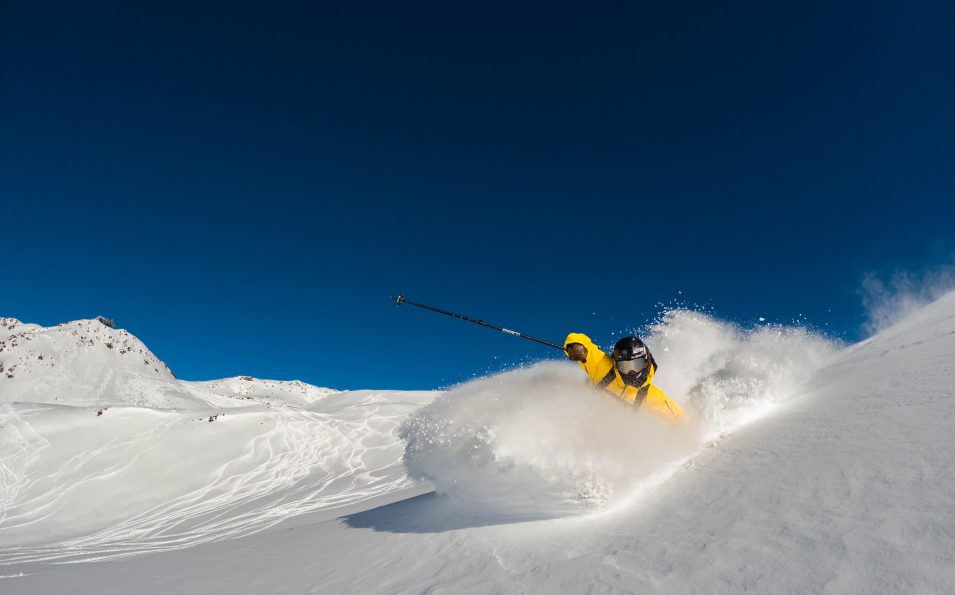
(538, 442)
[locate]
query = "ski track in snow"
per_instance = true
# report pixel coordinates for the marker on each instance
(307, 461)
(18, 575)
(19, 447)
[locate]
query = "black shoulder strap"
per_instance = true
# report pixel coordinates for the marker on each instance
(608, 378)
(641, 394)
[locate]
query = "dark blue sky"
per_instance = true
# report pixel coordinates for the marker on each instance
(242, 185)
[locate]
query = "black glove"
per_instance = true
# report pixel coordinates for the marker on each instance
(576, 352)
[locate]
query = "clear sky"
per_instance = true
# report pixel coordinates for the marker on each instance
(242, 185)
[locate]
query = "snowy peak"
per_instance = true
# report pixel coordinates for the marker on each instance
(10, 326)
(23, 346)
(84, 362)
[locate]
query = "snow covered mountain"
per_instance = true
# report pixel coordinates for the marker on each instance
(809, 467)
(82, 363)
(89, 363)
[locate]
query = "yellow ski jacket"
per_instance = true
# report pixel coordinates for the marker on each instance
(603, 373)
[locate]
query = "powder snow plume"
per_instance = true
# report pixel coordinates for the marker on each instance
(537, 442)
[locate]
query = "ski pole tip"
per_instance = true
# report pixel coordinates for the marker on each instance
(398, 299)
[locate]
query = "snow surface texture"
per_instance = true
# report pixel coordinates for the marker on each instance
(807, 468)
(84, 475)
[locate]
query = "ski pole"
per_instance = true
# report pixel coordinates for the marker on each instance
(402, 300)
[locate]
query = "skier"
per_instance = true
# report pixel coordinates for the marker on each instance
(627, 375)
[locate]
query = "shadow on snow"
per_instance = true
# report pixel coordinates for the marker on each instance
(434, 513)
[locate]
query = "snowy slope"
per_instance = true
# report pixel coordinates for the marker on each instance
(104, 451)
(808, 469)
(276, 392)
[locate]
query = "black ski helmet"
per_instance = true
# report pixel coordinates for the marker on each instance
(633, 360)
(629, 348)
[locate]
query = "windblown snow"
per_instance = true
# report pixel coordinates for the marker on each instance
(806, 466)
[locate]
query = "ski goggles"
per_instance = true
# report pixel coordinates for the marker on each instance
(632, 365)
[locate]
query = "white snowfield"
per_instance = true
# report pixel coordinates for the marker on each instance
(808, 467)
